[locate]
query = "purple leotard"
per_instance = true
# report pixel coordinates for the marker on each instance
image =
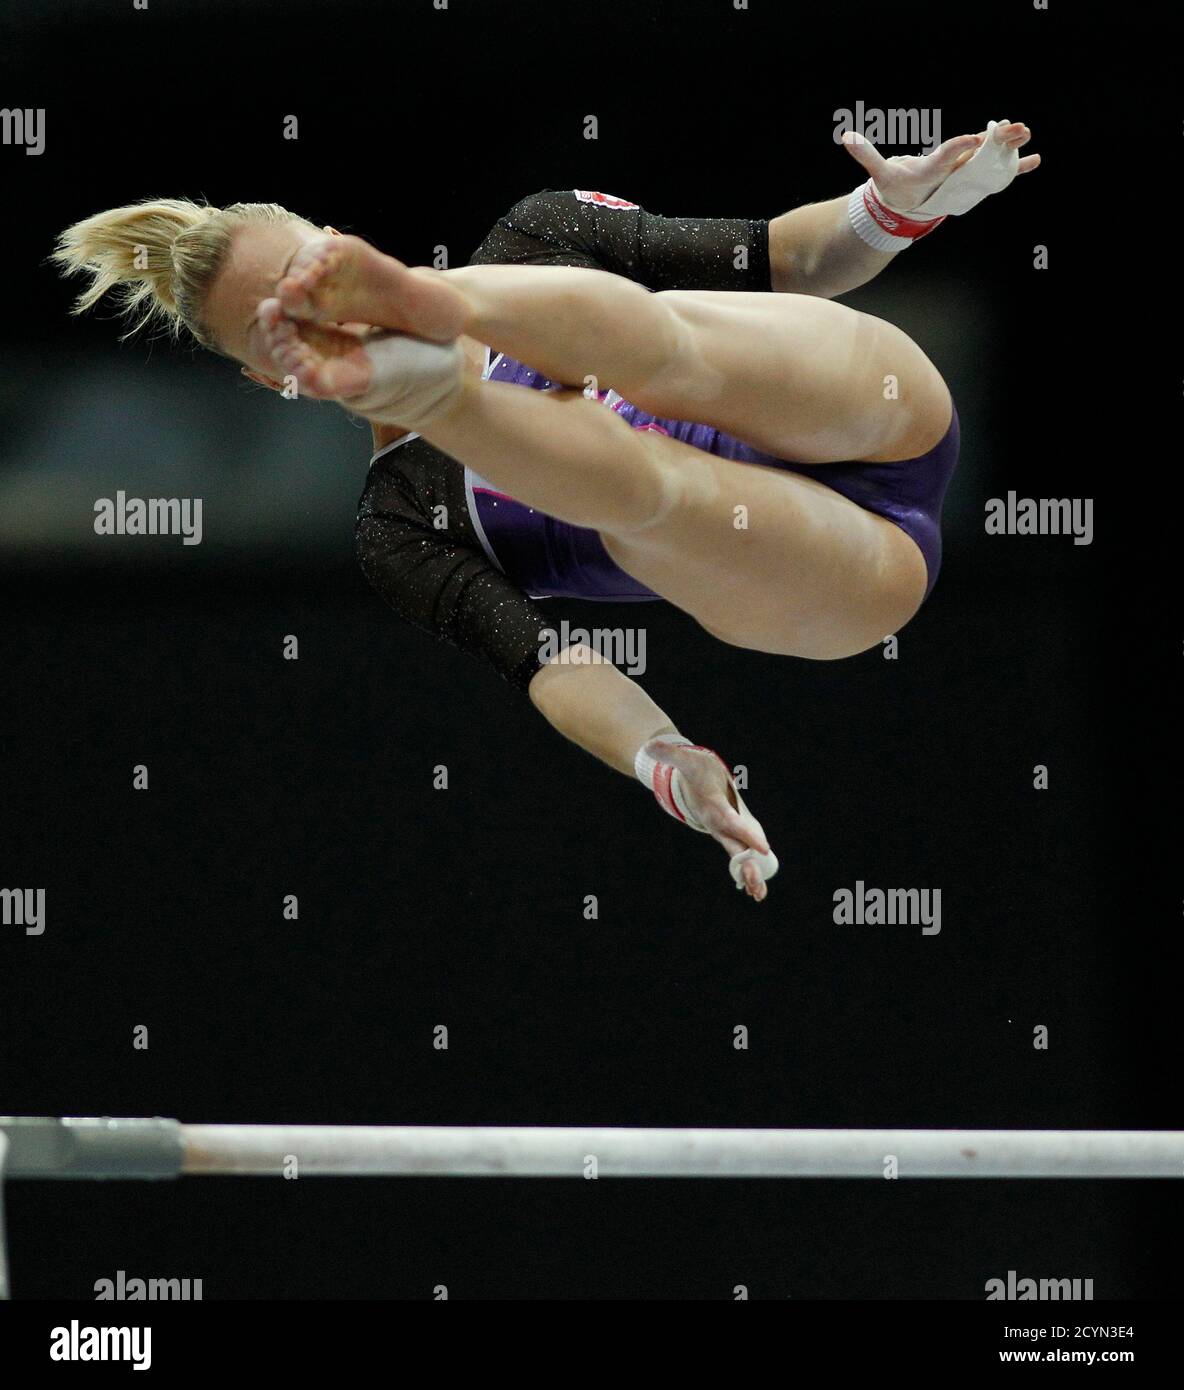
(552, 559)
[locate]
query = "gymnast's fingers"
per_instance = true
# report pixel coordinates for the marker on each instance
(861, 149)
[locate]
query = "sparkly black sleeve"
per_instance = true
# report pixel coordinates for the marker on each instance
(662, 253)
(417, 547)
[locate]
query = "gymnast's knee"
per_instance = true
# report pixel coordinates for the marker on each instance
(667, 488)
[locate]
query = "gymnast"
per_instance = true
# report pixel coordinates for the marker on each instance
(606, 404)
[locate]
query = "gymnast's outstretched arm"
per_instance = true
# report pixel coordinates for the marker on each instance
(453, 592)
(826, 249)
(814, 249)
(583, 696)
(589, 701)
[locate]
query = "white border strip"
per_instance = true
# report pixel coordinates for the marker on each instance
(394, 444)
(473, 479)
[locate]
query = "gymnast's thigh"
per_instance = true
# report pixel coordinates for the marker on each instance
(774, 560)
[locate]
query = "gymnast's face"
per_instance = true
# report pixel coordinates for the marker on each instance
(258, 258)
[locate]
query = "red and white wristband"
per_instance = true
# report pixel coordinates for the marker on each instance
(664, 781)
(880, 226)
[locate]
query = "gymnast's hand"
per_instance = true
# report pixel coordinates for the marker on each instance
(711, 795)
(913, 183)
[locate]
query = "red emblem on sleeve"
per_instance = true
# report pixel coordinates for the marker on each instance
(606, 200)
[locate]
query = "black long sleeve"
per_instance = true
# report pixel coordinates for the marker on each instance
(663, 253)
(417, 547)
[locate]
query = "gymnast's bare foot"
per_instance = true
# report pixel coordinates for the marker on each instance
(343, 279)
(389, 378)
(328, 363)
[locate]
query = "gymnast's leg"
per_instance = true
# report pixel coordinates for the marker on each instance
(798, 377)
(813, 575)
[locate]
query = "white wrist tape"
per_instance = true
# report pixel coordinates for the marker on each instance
(413, 381)
(988, 170)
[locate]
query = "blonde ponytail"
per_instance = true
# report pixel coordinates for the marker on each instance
(160, 257)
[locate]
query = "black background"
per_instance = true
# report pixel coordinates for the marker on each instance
(464, 908)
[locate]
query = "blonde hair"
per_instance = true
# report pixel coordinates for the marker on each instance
(160, 257)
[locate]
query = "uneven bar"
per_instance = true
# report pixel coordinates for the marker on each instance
(514, 1151)
(48, 1147)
